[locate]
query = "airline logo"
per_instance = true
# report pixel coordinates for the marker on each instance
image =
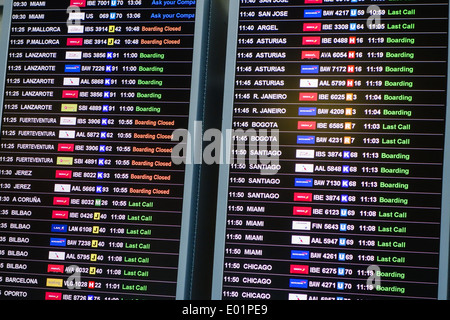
(68, 121)
(352, 40)
(302, 211)
(311, 41)
(71, 42)
(312, 13)
(309, 83)
(67, 134)
(60, 201)
(53, 296)
(307, 112)
(314, 1)
(75, 29)
(74, 55)
(302, 197)
(301, 225)
(78, 3)
(314, 69)
(304, 167)
(61, 228)
(304, 240)
(56, 268)
(300, 296)
(306, 125)
(58, 242)
(300, 269)
(298, 283)
(71, 81)
(299, 255)
(68, 107)
(63, 174)
(64, 147)
(304, 182)
(72, 68)
(70, 94)
(63, 188)
(58, 283)
(64, 161)
(77, 15)
(310, 54)
(304, 154)
(308, 96)
(56, 255)
(352, 54)
(306, 139)
(312, 27)
(59, 214)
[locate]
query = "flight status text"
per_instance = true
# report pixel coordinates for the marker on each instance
(357, 93)
(90, 201)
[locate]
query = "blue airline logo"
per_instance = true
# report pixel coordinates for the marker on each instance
(306, 140)
(303, 182)
(304, 111)
(312, 13)
(309, 69)
(299, 254)
(58, 242)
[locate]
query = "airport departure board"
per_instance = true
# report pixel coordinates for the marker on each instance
(90, 201)
(338, 110)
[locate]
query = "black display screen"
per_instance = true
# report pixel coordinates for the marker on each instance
(90, 200)
(349, 98)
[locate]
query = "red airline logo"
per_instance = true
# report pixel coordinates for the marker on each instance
(306, 125)
(302, 211)
(78, 3)
(55, 268)
(74, 42)
(311, 27)
(310, 54)
(298, 268)
(59, 214)
(70, 94)
(61, 201)
(63, 147)
(313, 1)
(304, 197)
(308, 96)
(311, 41)
(63, 174)
(52, 296)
